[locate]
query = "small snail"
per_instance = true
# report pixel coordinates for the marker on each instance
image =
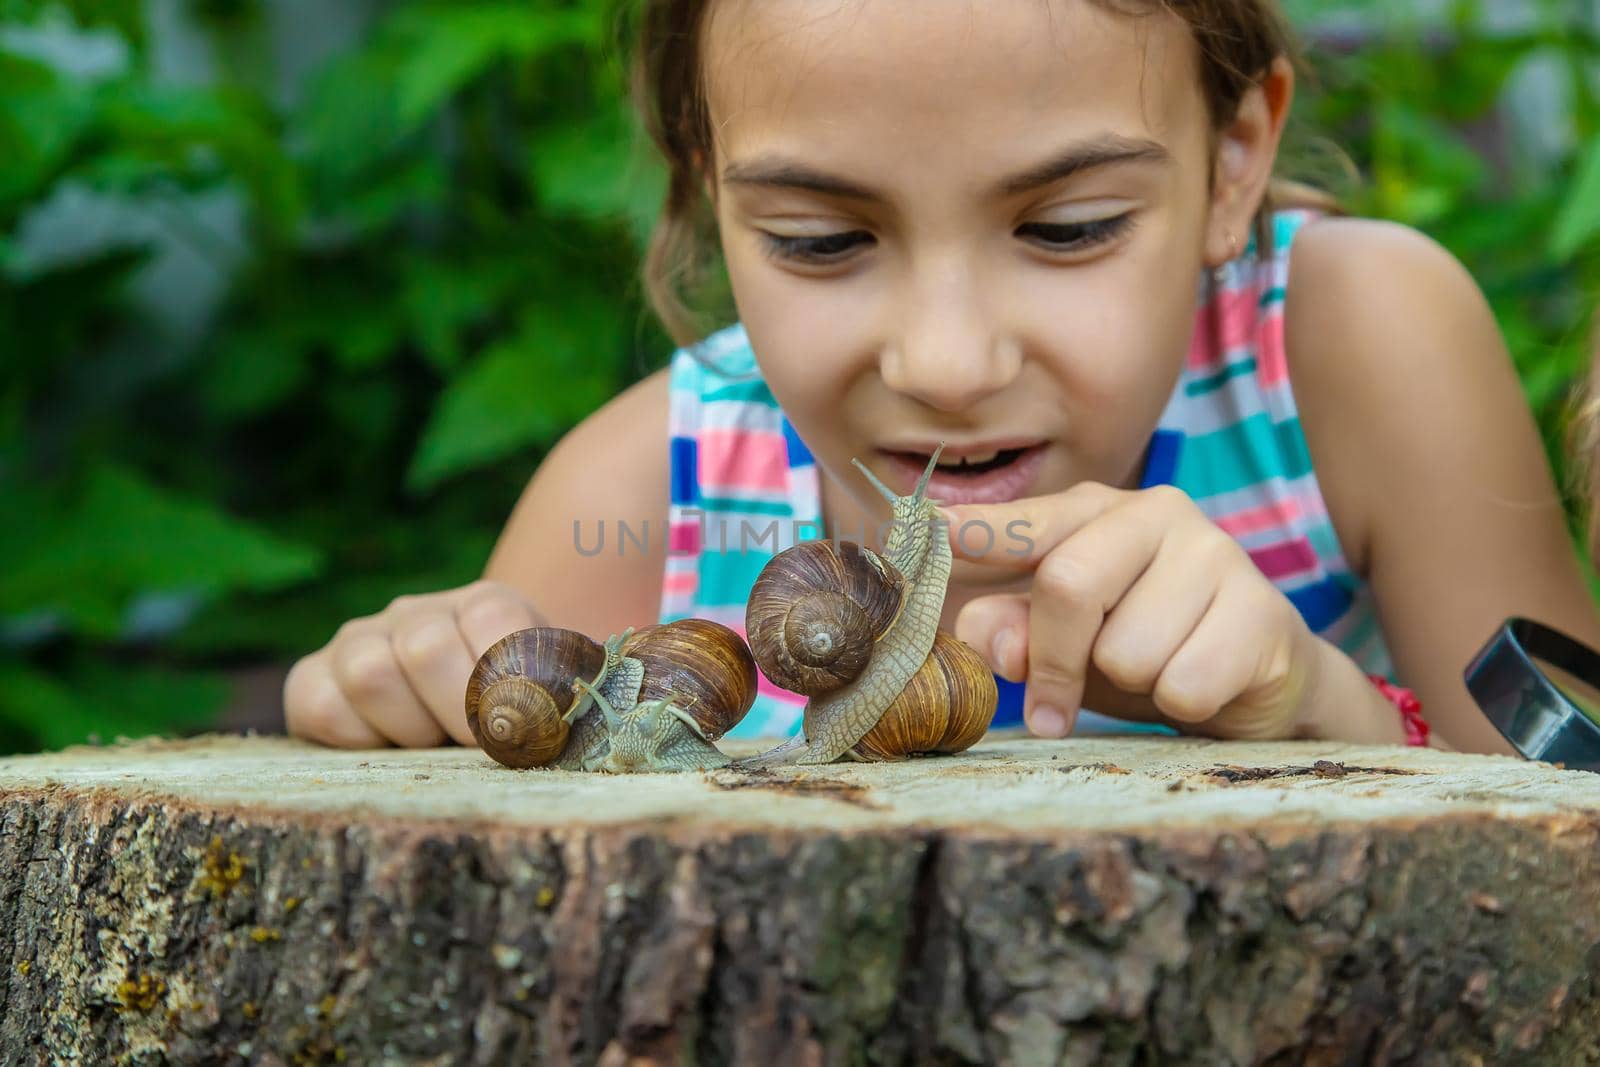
(522, 700)
(652, 699)
(856, 632)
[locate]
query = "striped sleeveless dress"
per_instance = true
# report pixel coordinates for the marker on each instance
(745, 487)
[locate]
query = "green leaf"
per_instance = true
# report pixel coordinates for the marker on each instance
(126, 536)
(600, 170)
(453, 46)
(41, 117)
(105, 699)
(202, 136)
(348, 121)
(384, 195)
(524, 390)
(253, 371)
(1579, 220)
(445, 296)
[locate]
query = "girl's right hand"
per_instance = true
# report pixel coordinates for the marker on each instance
(400, 677)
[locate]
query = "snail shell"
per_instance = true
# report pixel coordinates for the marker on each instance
(817, 609)
(522, 686)
(946, 707)
(703, 666)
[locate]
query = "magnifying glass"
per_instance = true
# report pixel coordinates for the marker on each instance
(1541, 689)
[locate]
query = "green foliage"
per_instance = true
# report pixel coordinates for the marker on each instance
(432, 276)
(432, 279)
(1579, 221)
(1425, 118)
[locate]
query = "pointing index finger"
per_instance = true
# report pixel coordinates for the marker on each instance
(1018, 534)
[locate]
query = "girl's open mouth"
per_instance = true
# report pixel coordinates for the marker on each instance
(986, 476)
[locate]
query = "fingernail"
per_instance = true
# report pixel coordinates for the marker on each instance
(1047, 722)
(1005, 643)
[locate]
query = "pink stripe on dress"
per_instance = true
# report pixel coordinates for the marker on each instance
(765, 687)
(1227, 324)
(681, 584)
(1281, 512)
(1285, 558)
(683, 538)
(735, 460)
(1272, 363)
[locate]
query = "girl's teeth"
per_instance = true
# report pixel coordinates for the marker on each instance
(973, 460)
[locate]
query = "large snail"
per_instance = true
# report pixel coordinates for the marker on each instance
(652, 699)
(858, 633)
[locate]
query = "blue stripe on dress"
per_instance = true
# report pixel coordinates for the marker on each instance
(799, 454)
(685, 470)
(1161, 459)
(1321, 604)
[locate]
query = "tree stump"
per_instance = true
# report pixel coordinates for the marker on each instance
(1092, 901)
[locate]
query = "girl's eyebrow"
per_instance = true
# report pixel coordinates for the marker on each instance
(778, 172)
(1085, 155)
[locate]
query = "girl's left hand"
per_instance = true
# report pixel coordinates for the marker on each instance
(1140, 607)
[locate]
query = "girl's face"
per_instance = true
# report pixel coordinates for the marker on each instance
(974, 222)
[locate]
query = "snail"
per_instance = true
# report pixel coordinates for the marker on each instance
(523, 703)
(852, 629)
(653, 699)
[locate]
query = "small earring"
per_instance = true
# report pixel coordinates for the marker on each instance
(1233, 245)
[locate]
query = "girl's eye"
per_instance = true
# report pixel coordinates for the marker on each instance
(1075, 236)
(829, 248)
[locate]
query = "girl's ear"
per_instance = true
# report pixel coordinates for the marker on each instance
(1247, 149)
(708, 181)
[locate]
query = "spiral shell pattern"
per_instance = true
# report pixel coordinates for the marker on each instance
(815, 612)
(520, 688)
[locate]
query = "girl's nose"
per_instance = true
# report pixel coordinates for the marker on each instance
(948, 350)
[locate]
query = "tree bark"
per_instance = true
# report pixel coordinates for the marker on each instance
(1112, 901)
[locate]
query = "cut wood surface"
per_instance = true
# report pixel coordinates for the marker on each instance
(1093, 901)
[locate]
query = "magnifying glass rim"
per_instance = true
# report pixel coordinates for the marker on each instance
(1572, 738)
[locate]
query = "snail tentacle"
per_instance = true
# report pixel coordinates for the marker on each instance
(612, 719)
(585, 701)
(615, 687)
(687, 719)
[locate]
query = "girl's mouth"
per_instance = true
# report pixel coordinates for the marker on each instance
(978, 476)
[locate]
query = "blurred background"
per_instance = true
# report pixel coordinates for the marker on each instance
(295, 294)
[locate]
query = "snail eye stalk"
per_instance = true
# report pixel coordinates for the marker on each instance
(922, 484)
(613, 720)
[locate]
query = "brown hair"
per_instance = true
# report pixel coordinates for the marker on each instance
(1583, 440)
(1238, 41)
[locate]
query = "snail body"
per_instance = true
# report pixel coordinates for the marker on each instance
(895, 642)
(854, 630)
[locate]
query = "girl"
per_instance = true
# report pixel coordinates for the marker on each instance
(986, 225)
